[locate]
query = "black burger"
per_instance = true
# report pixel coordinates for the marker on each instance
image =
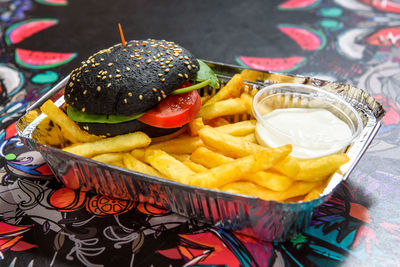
(144, 85)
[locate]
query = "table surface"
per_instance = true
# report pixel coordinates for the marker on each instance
(349, 41)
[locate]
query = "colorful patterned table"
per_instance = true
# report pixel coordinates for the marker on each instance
(349, 41)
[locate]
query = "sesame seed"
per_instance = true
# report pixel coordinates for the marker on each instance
(167, 62)
(159, 75)
(189, 68)
(125, 100)
(186, 57)
(118, 71)
(159, 99)
(181, 57)
(137, 65)
(170, 65)
(149, 60)
(85, 92)
(163, 79)
(139, 58)
(104, 72)
(163, 67)
(186, 63)
(98, 88)
(110, 76)
(162, 59)
(156, 60)
(110, 64)
(93, 65)
(108, 85)
(86, 128)
(186, 76)
(132, 56)
(71, 84)
(128, 69)
(154, 90)
(101, 59)
(161, 64)
(194, 66)
(78, 80)
(129, 94)
(140, 97)
(83, 109)
(97, 64)
(166, 70)
(124, 49)
(180, 75)
(118, 76)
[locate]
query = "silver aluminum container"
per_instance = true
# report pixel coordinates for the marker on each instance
(266, 220)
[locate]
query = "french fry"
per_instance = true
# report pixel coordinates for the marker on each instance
(183, 145)
(250, 75)
(226, 107)
(69, 128)
(248, 188)
(230, 90)
(168, 166)
(241, 128)
(288, 166)
(250, 138)
(138, 153)
(108, 157)
(318, 169)
(315, 192)
(136, 165)
(119, 143)
(194, 166)
(228, 145)
(216, 122)
(194, 126)
(49, 133)
(181, 157)
(270, 180)
(118, 164)
(248, 101)
(239, 168)
(208, 158)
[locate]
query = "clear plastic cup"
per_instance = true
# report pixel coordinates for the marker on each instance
(290, 95)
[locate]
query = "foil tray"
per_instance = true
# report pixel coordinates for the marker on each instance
(265, 220)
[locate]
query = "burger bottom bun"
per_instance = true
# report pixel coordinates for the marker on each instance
(113, 129)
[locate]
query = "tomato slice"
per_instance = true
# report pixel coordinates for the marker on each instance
(174, 111)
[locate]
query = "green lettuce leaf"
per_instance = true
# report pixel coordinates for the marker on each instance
(206, 73)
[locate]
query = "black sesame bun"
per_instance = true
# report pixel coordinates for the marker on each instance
(128, 80)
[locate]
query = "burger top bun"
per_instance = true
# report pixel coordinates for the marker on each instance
(129, 79)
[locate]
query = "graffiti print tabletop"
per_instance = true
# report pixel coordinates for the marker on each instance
(349, 41)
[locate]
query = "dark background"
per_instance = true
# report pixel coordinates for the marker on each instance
(213, 30)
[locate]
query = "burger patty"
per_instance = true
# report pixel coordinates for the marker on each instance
(113, 129)
(129, 79)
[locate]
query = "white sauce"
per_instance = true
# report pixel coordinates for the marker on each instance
(313, 132)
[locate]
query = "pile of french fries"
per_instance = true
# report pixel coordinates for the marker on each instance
(217, 150)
